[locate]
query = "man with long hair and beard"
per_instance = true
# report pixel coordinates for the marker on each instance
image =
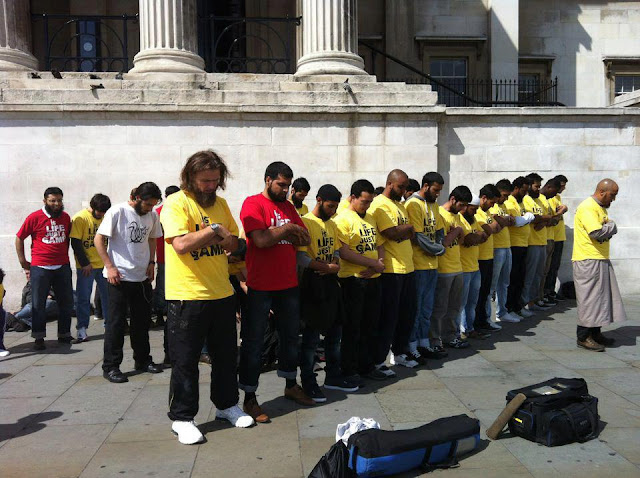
(132, 228)
(274, 232)
(49, 230)
(201, 308)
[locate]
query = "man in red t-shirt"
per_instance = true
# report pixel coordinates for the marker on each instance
(49, 229)
(274, 231)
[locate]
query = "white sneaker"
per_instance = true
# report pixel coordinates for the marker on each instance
(403, 360)
(525, 312)
(509, 318)
(4, 352)
(188, 433)
(235, 416)
(385, 370)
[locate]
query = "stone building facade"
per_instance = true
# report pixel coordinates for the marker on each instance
(107, 131)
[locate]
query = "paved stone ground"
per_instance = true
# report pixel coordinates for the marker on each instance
(60, 418)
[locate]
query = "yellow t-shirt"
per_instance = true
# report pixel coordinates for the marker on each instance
(590, 216)
(538, 207)
(425, 218)
(398, 255)
(303, 210)
(559, 233)
(1, 294)
(324, 238)
(519, 236)
(202, 274)
(449, 262)
(486, 248)
(502, 239)
(235, 267)
(361, 235)
(84, 227)
(469, 255)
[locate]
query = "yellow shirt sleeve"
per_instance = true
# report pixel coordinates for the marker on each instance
(385, 218)
(415, 213)
(174, 217)
(590, 219)
(78, 226)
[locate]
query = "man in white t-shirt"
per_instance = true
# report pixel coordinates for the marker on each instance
(131, 228)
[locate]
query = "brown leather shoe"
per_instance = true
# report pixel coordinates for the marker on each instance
(296, 394)
(590, 344)
(252, 409)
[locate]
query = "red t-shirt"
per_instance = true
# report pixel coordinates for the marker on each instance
(49, 238)
(159, 244)
(271, 268)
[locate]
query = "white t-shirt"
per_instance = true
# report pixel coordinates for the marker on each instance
(129, 234)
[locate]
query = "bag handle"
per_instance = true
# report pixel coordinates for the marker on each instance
(577, 436)
(451, 461)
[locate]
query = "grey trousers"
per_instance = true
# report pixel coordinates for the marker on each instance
(446, 307)
(547, 268)
(536, 258)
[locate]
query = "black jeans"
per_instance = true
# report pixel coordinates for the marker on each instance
(486, 276)
(516, 279)
(286, 308)
(361, 298)
(190, 324)
(42, 280)
(136, 295)
(583, 333)
(556, 260)
(398, 313)
(310, 341)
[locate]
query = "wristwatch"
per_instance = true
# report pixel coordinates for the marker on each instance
(214, 227)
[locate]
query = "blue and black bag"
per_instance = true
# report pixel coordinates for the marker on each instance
(435, 445)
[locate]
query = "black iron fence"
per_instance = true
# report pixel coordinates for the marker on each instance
(248, 45)
(87, 42)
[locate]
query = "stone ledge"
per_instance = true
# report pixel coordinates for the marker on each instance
(542, 111)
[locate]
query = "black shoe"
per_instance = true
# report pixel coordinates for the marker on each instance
(166, 360)
(39, 345)
(65, 340)
(375, 374)
(149, 367)
(417, 357)
(115, 376)
(429, 353)
(314, 392)
(340, 383)
(440, 349)
(458, 344)
(20, 327)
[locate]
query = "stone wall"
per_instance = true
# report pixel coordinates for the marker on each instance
(91, 152)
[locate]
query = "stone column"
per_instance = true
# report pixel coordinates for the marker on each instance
(330, 38)
(504, 26)
(15, 36)
(168, 38)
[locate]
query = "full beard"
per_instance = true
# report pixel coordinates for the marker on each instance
(205, 199)
(275, 197)
(53, 213)
(138, 208)
(469, 217)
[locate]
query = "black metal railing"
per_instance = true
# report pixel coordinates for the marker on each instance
(475, 92)
(248, 45)
(86, 42)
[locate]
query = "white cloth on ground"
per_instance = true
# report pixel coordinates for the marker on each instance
(353, 425)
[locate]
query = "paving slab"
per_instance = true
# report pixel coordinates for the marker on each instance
(472, 365)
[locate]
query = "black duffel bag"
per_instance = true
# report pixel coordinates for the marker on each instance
(556, 412)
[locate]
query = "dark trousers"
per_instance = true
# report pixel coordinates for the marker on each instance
(516, 279)
(191, 324)
(556, 260)
(398, 313)
(486, 276)
(361, 298)
(583, 333)
(3, 323)
(42, 280)
(137, 296)
(286, 308)
(310, 341)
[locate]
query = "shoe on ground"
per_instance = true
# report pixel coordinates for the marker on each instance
(493, 326)
(187, 432)
(20, 327)
(430, 353)
(340, 383)
(475, 334)
(205, 358)
(235, 416)
(417, 357)
(252, 409)
(82, 336)
(509, 317)
(65, 340)
(458, 344)
(537, 306)
(404, 360)
(115, 376)
(296, 394)
(313, 390)
(559, 297)
(602, 340)
(385, 370)
(485, 327)
(4, 352)
(441, 350)
(376, 375)
(39, 344)
(548, 300)
(525, 313)
(149, 367)
(590, 344)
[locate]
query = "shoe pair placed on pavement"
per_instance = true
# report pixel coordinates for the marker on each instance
(189, 434)
(116, 376)
(338, 383)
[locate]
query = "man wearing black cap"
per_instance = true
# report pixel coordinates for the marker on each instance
(321, 303)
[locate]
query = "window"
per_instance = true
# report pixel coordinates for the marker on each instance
(453, 73)
(623, 74)
(626, 84)
(528, 86)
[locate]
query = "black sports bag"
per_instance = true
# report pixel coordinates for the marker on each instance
(556, 412)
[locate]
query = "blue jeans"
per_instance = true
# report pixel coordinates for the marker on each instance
(310, 341)
(42, 280)
(500, 280)
(425, 292)
(51, 311)
(286, 308)
(84, 286)
(536, 258)
(470, 291)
